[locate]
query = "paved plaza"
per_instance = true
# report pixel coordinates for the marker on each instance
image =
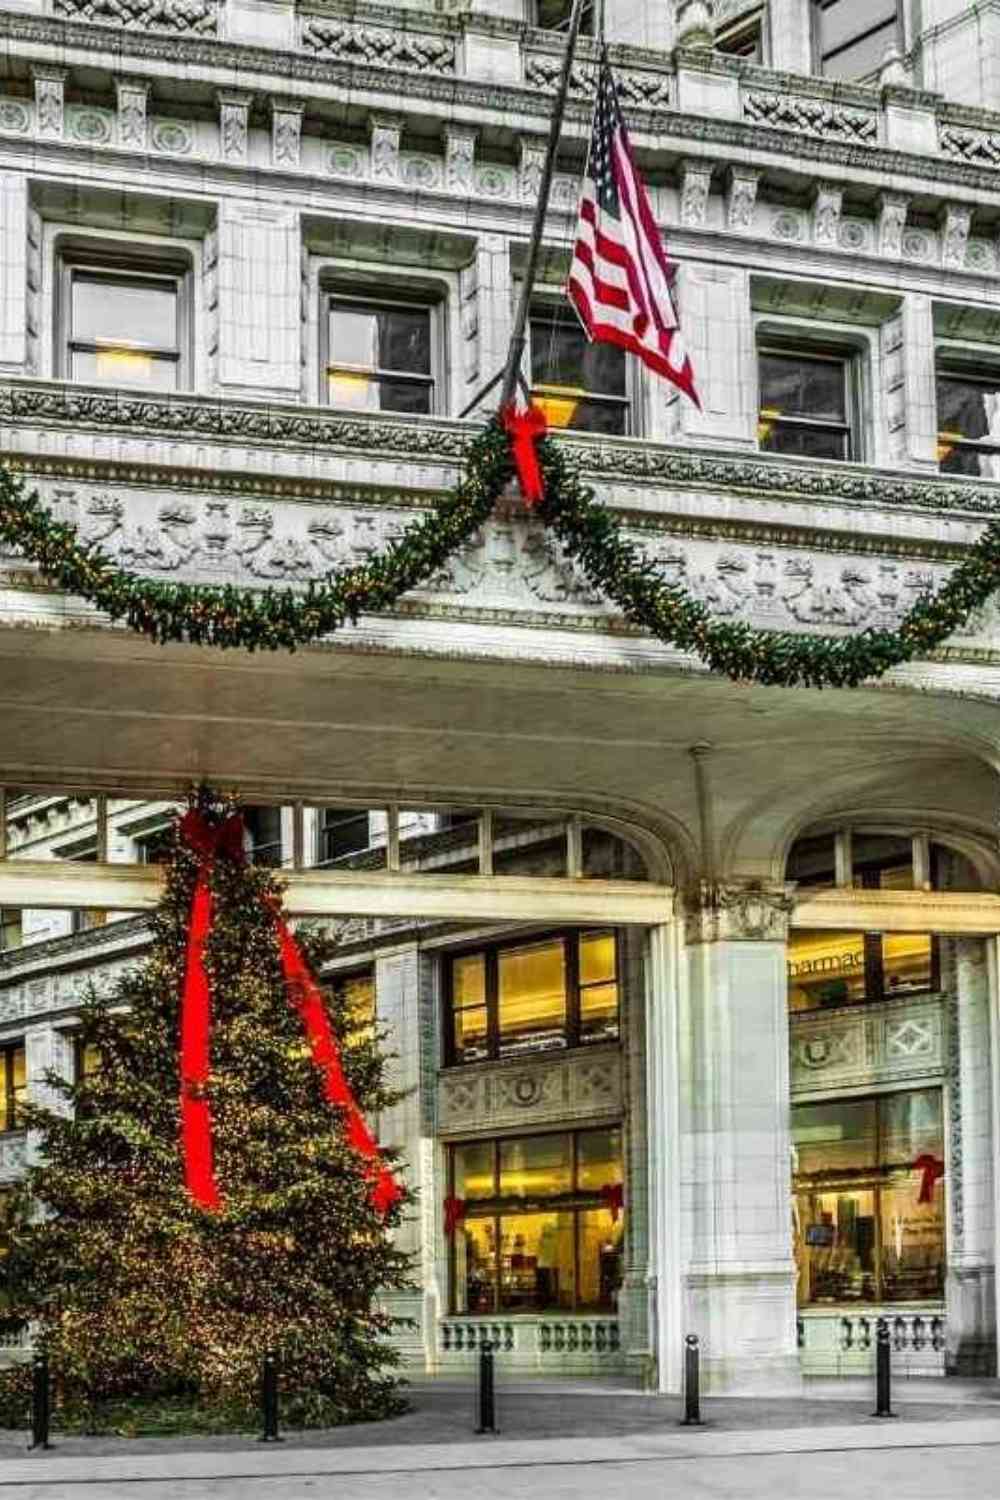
(572, 1440)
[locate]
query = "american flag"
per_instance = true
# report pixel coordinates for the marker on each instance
(620, 279)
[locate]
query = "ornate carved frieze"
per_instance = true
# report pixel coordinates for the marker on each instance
(753, 911)
(868, 1045)
(183, 17)
(978, 146)
(530, 1091)
(813, 116)
(133, 94)
(286, 132)
(328, 36)
(650, 90)
(50, 93)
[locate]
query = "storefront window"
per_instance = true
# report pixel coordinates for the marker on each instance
(557, 991)
(537, 1223)
(827, 969)
(868, 1207)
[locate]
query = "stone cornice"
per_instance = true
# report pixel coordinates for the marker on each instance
(24, 34)
(51, 404)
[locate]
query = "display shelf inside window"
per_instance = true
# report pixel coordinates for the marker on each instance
(538, 1223)
(541, 994)
(868, 1199)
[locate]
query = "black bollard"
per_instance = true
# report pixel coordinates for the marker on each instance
(487, 1392)
(40, 1405)
(269, 1398)
(692, 1392)
(883, 1403)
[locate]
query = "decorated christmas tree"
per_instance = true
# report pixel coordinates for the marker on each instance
(211, 1188)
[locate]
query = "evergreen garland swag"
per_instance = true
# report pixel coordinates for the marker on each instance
(282, 619)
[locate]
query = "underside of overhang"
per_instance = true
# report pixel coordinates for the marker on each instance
(96, 709)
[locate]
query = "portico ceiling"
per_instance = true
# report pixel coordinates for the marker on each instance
(95, 709)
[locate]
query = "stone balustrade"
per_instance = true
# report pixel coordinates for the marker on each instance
(835, 1342)
(573, 1344)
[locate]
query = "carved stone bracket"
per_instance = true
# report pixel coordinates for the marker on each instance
(133, 94)
(741, 197)
(696, 179)
(826, 213)
(956, 221)
(385, 133)
(50, 101)
(459, 158)
(286, 131)
(234, 124)
(892, 208)
(753, 911)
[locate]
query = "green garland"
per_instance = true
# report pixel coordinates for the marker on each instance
(273, 619)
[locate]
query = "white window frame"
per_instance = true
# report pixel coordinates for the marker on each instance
(965, 363)
(140, 257)
(347, 292)
(831, 341)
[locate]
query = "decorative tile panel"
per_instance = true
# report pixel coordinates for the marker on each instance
(530, 1091)
(868, 1044)
(182, 17)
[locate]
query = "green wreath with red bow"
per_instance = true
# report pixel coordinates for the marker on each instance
(228, 616)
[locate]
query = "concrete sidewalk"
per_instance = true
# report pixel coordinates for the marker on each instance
(577, 1439)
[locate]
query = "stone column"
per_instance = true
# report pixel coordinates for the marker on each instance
(735, 1142)
(664, 988)
(969, 1158)
(634, 1322)
(13, 271)
(405, 1009)
(45, 1048)
(259, 297)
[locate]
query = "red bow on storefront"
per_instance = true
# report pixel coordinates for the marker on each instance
(933, 1171)
(225, 839)
(613, 1195)
(523, 428)
(454, 1213)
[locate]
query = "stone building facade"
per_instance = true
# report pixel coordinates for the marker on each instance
(693, 984)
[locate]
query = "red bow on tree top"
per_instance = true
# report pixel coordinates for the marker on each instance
(523, 428)
(225, 839)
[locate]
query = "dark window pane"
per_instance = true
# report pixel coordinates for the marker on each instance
(10, 928)
(123, 367)
(381, 338)
(968, 408)
(561, 355)
(357, 392)
(537, 1262)
(808, 442)
(343, 831)
(536, 1166)
(982, 464)
(554, 14)
(474, 1170)
(598, 1159)
(794, 387)
(121, 311)
(834, 1136)
(532, 997)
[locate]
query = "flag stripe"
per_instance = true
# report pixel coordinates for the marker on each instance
(620, 279)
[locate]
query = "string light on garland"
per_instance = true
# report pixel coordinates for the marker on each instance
(282, 619)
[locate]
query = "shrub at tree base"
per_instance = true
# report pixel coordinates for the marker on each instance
(138, 1294)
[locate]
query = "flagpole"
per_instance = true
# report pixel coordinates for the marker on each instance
(515, 352)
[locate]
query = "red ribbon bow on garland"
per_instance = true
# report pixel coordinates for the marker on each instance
(933, 1170)
(226, 840)
(454, 1213)
(613, 1194)
(523, 428)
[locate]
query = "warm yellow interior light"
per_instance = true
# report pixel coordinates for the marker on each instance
(559, 403)
(123, 365)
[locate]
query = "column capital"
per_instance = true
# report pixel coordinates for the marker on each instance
(736, 910)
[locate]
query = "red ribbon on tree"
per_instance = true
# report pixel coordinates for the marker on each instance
(226, 839)
(454, 1213)
(933, 1171)
(523, 428)
(613, 1195)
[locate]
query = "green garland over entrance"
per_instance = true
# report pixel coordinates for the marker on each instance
(281, 619)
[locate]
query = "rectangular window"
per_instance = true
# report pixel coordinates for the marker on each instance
(353, 997)
(11, 932)
(342, 831)
(125, 323)
(852, 37)
(869, 1199)
(549, 993)
(13, 1084)
(538, 1223)
(263, 826)
(968, 424)
(553, 15)
(805, 404)
(380, 354)
(576, 383)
